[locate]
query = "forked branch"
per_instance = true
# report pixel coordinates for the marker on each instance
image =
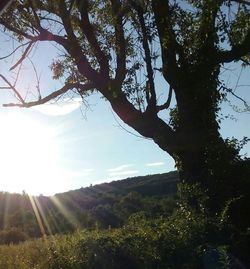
(80, 88)
(12, 87)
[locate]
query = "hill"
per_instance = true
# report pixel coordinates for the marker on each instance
(103, 205)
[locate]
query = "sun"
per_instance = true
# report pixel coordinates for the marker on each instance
(29, 158)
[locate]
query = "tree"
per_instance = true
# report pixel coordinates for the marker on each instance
(109, 44)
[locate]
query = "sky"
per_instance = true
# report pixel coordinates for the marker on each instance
(74, 150)
(63, 146)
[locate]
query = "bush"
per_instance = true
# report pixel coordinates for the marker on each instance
(12, 236)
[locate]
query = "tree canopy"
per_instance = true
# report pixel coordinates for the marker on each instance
(120, 47)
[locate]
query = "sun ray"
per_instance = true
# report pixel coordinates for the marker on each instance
(42, 214)
(38, 217)
(66, 213)
(6, 210)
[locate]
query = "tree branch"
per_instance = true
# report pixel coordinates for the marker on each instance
(120, 43)
(167, 104)
(236, 52)
(167, 40)
(65, 17)
(150, 90)
(236, 96)
(37, 20)
(81, 88)
(15, 30)
(148, 125)
(44, 35)
(27, 50)
(19, 97)
(89, 32)
(16, 49)
(70, 45)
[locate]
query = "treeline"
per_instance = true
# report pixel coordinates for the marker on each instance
(102, 206)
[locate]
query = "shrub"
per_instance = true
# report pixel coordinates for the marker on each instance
(12, 236)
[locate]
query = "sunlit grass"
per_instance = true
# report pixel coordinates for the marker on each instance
(50, 252)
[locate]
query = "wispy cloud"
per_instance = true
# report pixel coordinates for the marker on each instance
(58, 109)
(119, 168)
(155, 164)
(123, 173)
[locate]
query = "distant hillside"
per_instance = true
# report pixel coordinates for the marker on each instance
(150, 185)
(103, 205)
(159, 184)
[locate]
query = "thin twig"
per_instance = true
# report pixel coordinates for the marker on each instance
(24, 55)
(22, 45)
(37, 79)
(19, 97)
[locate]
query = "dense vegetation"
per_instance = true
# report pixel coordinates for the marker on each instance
(135, 223)
(107, 205)
(178, 242)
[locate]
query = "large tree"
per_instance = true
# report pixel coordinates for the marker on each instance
(121, 47)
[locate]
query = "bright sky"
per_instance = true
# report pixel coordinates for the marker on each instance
(45, 154)
(58, 147)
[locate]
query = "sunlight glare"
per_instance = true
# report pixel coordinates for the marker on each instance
(28, 155)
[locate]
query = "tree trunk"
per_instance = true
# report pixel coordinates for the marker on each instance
(203, 156)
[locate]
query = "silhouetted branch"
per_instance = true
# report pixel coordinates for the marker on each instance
(80, 87)
(236, 96)
(15, 30)
(150, 91)
(16, 49)
(37, 79)
(237, 51)
(168, 41)
(19, 97)
(88, 30)
(167, 104)
(120, 43)
(24, 55)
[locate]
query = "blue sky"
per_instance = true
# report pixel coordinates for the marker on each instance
(63, 146)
